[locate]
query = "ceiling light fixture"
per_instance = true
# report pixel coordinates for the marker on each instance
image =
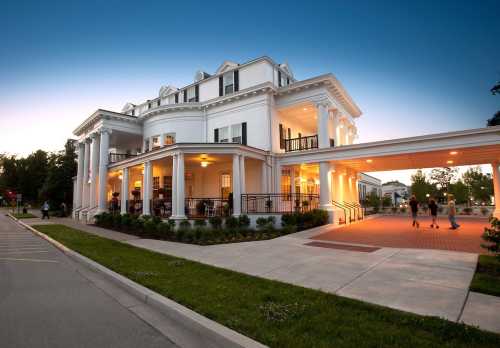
(449, 162)
(369, 161)
(453, 153)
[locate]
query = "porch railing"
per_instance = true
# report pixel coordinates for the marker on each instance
(161, 207)
(134, 206)
(206, 207)
(302, 143)
(117, 157)
(278, 203)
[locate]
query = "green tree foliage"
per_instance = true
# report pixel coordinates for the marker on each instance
(420, 186)
(41, 176)
(373, 200)
(442, 177)
(479, 185)
(459, 191)
(495, 120)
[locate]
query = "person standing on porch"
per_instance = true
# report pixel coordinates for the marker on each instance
(414, 211)
(433, 208)
(452, 212)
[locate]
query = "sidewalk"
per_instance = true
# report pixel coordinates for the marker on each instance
(425, 282)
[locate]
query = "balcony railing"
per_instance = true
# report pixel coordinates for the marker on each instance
(117, 157)
(278, 203)
(207, 207)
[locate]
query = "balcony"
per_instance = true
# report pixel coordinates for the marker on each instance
(117, 157)
(302, 143)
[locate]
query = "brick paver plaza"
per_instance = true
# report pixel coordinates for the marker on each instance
(397, 232)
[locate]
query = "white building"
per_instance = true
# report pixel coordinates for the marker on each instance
(249, 139)
(368, 184)
(398, 192)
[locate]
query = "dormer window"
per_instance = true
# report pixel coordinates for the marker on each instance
(228, 83)
(191, 95)
(132, 112)
(149, 105)
(158, 103)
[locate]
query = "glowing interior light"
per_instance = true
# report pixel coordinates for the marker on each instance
(453, 153)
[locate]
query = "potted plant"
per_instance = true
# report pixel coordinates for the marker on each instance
(116, 194)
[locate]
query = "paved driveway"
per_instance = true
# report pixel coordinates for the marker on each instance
(45, 302)
(397, 232)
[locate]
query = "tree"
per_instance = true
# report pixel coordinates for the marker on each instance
(495, 120)
(420, 187)
(479, 185)
(442, 177)
(373, 200)
(459, 191)
(496, 88)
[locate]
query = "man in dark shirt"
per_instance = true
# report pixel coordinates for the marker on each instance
(414, 210)
(433, 208)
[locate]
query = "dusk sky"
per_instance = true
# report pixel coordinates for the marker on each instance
(415, 68)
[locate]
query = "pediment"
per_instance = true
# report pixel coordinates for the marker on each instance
(166, 90)
(227, 65)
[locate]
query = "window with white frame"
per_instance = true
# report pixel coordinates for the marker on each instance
(171, 99)
(191, 94)
(224, 135)
(225, 185)
(169, 138)
(228, 83)
(156, 141)
(236, 133)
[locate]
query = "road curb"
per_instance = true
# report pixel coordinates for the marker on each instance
(214, 333)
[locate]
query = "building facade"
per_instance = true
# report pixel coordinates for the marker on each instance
(213, 147)
(398, 192)
(368, 184)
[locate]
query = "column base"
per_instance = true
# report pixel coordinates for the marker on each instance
(331, 212)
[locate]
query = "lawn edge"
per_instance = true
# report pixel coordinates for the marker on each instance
(212, 331)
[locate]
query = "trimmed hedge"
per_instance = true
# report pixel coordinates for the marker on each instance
(218, 231)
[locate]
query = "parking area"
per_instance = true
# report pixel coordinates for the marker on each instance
(397, 232)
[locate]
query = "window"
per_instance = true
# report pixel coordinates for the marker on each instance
(191, 96)
(236, 133)
(156, 183)
(133, 112)
(156, 142)
(169, 138)
(176, 98)
(225, 185)
(149, 105)
(167, 187)
(158, 103)
(228, 83)
(224, 135)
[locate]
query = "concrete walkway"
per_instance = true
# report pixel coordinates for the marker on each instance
(426, 282)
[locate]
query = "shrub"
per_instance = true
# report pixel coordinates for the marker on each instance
(484, 211)
(403, 210)
(149, 228)
(266, 224)
(467, 211)
(319, 217)
(200, 223)
(231, 223)
(492, 236)
(185, 224)
(117, 221)
(163, 230)
(179, 234)
(289, 219)
(138, 225)
(126, 221)
(244, 221)
(215, 222)
(394, 210)
(189, 236)
(198, 232)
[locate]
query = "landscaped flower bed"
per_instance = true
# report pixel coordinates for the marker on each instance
(215, 231)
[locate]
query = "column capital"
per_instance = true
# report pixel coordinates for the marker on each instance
(94, 135)
(105, 130)
(323, 103)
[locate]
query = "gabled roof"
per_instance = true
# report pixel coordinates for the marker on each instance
(286, 68)
(227, 65)
(166, 90)
(127, 107)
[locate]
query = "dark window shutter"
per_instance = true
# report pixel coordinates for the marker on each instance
(216, 135)
(221, 86)
(282, 143)
(236, 80)
(244, 133)
(176, 98)
(289, 133)
(185, 95)
(197, 93)
(279, 78)
(300, 135)
(287, 81)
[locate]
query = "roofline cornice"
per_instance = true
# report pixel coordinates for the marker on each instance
(101, 114)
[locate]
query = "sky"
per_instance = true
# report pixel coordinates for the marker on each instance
(413, 68)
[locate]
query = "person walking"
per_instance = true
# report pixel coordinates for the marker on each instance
(452, 212)
(45, 210)
(433, 208)
(414, 211)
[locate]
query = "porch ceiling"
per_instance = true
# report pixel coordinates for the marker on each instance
(304, 114)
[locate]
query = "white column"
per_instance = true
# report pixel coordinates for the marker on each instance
(144, 148)
(162, 140)
(147, 188)
(94, 162)
(103, 169)
(236, 186)
(86, 164)
(325, 189)
(79, 176)
(180, 187)
(124, 193)
(496, 188)
(292, 180)
(150, 143)
(323, 137)
(334, 122)
(242, 175)
(277, 177)
(264, 181)
(174, 186)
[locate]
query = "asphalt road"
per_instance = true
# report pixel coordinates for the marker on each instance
(45, 302)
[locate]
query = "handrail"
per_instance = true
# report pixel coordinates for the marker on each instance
(356, 209)
(278, 203)
(339, 205)
(117, 157)
(346, 204)
(301, 143)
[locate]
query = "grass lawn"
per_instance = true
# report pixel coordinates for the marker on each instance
(487, 276)
(23, 216)
(274, 313)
